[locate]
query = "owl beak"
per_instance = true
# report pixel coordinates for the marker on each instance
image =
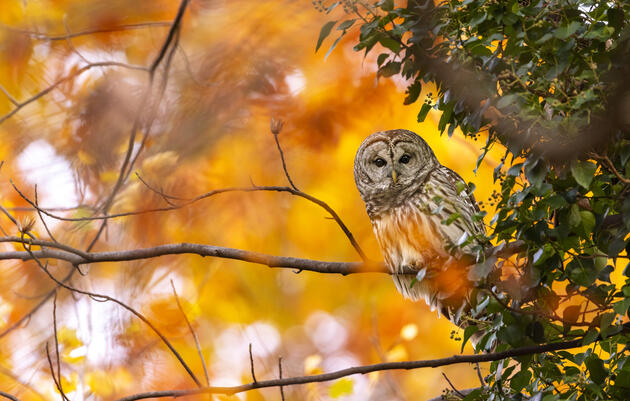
(394, 176)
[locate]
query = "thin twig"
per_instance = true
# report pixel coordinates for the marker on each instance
(280, 377)
(160, 192)
(49, 209)
(57, 347)
(39, 213)
(52, 37)
(452, 386)
(192, 331)
(62, 80)
(38, 306)
(155, 106)
(104, 298)
(8, 396)
(478, 370)
(190, 72)
(610, 167)
(8, 95)
(276, 128)
(464, 393)
(251, 363)
(128, 161)
(69, 40)
(209, 194)
(171, 35)
(52, 372)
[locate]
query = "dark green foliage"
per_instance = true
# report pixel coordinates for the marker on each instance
(550, 81)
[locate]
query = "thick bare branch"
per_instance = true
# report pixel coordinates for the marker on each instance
(78, 257)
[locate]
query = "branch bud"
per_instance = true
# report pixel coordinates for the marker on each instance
(276, 126)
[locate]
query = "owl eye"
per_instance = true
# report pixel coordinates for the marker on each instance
(404, 159)
(380, 162)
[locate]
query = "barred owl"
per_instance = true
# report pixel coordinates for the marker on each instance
(421, 211)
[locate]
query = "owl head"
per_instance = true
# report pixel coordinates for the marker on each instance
(391, 164)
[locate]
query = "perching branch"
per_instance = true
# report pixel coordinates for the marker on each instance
(75, 256)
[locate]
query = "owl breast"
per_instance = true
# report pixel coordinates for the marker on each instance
(409, 239)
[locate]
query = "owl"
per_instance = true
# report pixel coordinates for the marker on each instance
(422, 216)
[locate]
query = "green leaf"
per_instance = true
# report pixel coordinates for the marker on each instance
(575, 218)
(591, 335)
(582, 271)
(565, 31)
(333, 46)
(596, 368)
(324, 32)
(480, 270)
(446, 116)
(605, 322)
(387, 5)
(622, 306)
(390, 43)
(615, 18)
(588, 220)
(571, 313)
(413, 91)
(341, 387)
(389, 69)
(520, 380)
(424, 110)
(506, 100)
(381, 58)
(473, 395)
(583, 172)
(332, 6)
(346, 24)
(623, 379)
(515, 170)
(468, 332)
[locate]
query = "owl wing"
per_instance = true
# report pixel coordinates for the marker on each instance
(452, 207)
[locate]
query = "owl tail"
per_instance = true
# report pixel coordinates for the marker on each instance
(416, 290)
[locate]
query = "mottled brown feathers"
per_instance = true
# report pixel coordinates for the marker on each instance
(419, 211)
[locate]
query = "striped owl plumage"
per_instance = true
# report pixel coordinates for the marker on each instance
(409, 197)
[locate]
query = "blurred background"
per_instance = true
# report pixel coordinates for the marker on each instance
(238, 64)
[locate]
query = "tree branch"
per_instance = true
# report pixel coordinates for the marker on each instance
(407, 365)
(118, 28)
(79, 257)
(8, 396)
